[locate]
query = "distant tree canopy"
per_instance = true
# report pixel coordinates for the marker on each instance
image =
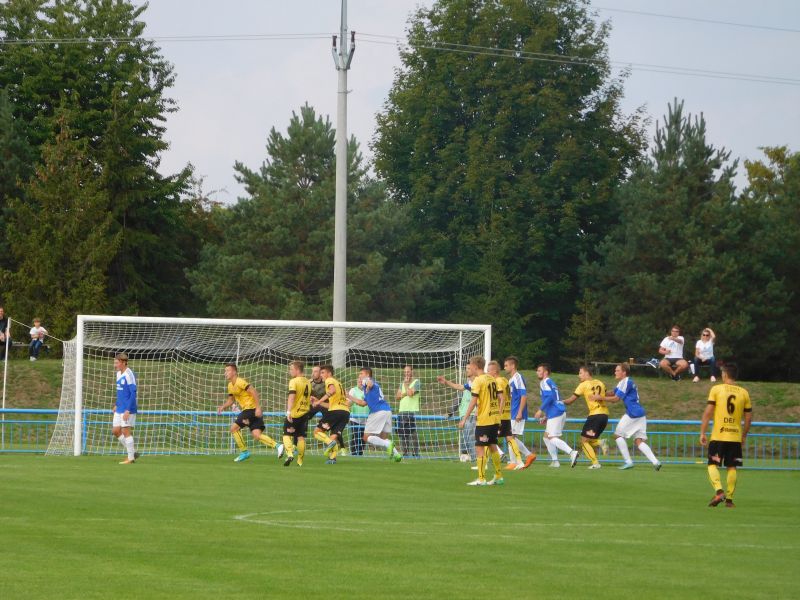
(507, 162)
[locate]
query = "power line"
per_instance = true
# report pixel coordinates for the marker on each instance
(168, 38)
(577, 60)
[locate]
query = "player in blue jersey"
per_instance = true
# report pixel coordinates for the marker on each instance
(553, 412)
(519, 411)
(634, 422)
(125, 408)
(379, 422)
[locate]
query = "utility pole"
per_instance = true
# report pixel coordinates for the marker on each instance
(342, 57)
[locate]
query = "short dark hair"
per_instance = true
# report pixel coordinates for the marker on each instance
(625, 367)
(588, 369)
(731, 370)
(678, 327)
(233, 366)
(545, 366)
(512, 359)
(367, 370)
(328, 368)
(478, 361)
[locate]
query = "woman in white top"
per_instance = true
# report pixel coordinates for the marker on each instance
(704, 354)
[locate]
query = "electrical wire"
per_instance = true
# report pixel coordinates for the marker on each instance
(168, 38)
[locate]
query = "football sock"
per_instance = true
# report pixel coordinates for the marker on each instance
(523, 450)
(623, 449)
(121, 439)
(267, 441)
(482, 467)
(589, 451)
(497, 465)
(378, 441)
(551, 449)
(594, 443)
(561, 445)
(335, 450)
(713, 477)
(129, 447)
(322, 437)
(237, 437)
(301, 450)
(288, 444)
(512, 443)
(731, 483)
(645, 449)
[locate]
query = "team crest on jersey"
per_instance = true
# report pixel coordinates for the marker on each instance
(484, 438)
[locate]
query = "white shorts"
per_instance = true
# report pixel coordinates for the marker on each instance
(119, 420)
(517, 427)
(379, 422)
(632, 428)
(555, 426)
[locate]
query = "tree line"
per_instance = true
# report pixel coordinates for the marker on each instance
(504, 190)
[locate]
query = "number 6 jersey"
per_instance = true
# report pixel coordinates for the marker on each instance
(730, 403)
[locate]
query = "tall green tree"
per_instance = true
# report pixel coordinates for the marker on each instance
(276, 257)
(506, 158)
(116, 83)
(685, 251)
(61, 238)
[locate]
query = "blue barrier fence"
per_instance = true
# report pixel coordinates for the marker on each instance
(768, 446)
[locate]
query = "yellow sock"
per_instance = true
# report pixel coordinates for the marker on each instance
(496, 464)
(322, 437)
(267, 441)
(237, 437)
(731, 483)
(301, 450)
(594, 443)
(713, 476)
(482, 467)
(288, 444)
(589, 451)
(334, 452)
(512, 443)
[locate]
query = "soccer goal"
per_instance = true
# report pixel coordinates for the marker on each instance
(179, 366)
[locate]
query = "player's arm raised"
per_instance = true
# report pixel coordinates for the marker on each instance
(451, 384)
(355, 400)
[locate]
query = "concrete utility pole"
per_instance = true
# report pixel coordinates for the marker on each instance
(342, 57)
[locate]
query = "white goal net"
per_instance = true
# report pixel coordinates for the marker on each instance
(179, 366)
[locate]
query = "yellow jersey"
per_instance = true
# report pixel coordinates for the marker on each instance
(730, 403)
(589, 387)
(301, 388)
(484, 388)
(338, 401)
(502, 387)
(240, 390)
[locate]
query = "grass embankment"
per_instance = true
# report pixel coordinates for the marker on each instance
(38, 385)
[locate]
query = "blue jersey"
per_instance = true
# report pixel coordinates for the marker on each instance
(374, 398)
(552, 406)
(627, 392)
(518, 390)
(126, 392)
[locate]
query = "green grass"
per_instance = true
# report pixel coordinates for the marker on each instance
(204, 527)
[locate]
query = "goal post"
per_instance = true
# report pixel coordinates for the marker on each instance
(179, 364)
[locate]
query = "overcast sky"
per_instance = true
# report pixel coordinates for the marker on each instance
(231, 93)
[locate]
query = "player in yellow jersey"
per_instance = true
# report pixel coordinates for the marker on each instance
(729, 403)
(246, 396)
(598, 414)
(330, 426)
(298, 412)
(484, 396)
(504, 430)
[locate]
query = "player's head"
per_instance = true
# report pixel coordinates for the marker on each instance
(622, 370)
(475, 365)
(120, 361)
(676, 330)
(585, 373)
(408, 372)
(543, 371)
(231, 371)
(296, 368)
(493, 368)
(511, 364)
(315, 372)
(326, 371)
(364, 373)
(730, 372)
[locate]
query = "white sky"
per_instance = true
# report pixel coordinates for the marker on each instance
(231, 93)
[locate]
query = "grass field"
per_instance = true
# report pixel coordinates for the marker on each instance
(204, 527)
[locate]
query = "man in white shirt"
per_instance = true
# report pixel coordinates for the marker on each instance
(671, 349)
